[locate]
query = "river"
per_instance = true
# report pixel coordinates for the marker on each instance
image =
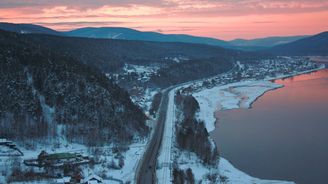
(284, 135)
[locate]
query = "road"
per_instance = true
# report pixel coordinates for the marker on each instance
(146, 171)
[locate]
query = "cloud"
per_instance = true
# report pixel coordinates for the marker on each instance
(264, 22)
(201, 17)
(82, 23)
(80, 4)
(167, 7)
(247, 7)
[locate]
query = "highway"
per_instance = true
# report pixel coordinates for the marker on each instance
(146, 171)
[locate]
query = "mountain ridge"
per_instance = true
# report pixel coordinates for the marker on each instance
(124, 33)
(313, 45)
(132, 34)
(28, 28)
(267, 41)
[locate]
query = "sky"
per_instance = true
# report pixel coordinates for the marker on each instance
(222, 19)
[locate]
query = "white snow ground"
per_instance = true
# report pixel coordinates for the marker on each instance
(230, 96)
(126, 174)
(235, 176)
(145, 71)
(225, 171)
(131, 160)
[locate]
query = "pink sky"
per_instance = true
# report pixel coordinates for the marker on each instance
(223, 19)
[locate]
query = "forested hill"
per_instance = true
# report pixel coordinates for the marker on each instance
(314, 45)
(132, 34)
(28, 29)
(41, 89)
(110, 55)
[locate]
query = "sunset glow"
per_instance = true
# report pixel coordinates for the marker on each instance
(224, 19)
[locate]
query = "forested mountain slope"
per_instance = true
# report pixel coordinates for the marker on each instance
(314, 45)
(41, 89)
(110, 55)
(266, 42)
(28, 29)
(132, 34)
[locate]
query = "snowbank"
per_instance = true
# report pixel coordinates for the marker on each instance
(132, 157)
(235, 176)
(230, 96)
(224, 171)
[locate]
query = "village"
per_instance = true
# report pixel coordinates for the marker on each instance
(136, 77)
(56, 168)
(266, 69)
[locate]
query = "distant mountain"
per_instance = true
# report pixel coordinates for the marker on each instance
(132, 34)
(28, 28)
(265, 42)
(314, 45)
(109, 55)
(43, 91)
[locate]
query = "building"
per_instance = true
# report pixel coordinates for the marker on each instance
(64, 180)
(92, 179)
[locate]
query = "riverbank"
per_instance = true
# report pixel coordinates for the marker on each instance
(283, 134)
(230, 96)
(236, 95)
(233, 96)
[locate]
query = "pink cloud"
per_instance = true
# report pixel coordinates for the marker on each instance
(225, 19)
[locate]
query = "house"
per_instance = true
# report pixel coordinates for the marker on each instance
(3, 141)
(58, 164)
(11, 148)
(92, 179)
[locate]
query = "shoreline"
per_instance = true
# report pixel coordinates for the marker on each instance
(322, 67)
(283, 78)
(286, 77)
(225, 167)
(231, 96)
(258, 97)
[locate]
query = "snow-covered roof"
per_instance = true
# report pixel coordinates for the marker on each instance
(64, 180)
(92, 177)
(3, 140)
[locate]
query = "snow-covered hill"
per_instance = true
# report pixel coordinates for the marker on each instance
(54, 103)
(132, 34)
